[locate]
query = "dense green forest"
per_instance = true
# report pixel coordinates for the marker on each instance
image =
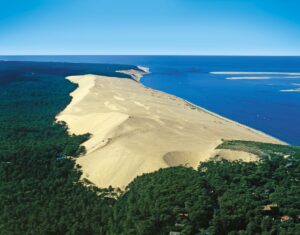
(221, 197)
(40, 192)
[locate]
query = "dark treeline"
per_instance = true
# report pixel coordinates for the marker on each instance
(222, 197)
(40, 192)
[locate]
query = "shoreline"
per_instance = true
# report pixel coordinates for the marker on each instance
(136, 129)
(235, 122)
(147, 71)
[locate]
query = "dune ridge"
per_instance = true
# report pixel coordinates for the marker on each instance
(137, 130)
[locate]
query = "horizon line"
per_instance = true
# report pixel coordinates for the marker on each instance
(237, 55)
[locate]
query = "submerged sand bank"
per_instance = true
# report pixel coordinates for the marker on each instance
(136, 129)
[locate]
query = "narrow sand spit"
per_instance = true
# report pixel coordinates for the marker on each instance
(136, 130)
(136, 74)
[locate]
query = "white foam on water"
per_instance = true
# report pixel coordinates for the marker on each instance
(291, 90)
(262, 77)
(256, 73)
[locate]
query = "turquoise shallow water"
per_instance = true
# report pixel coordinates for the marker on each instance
(257, 103)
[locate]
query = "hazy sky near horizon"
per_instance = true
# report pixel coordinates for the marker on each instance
(190, 27)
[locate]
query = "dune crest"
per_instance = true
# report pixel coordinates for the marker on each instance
(137, 130)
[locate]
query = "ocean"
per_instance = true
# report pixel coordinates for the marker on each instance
(261, 92)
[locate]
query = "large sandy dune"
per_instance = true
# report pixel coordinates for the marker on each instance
(137, 130)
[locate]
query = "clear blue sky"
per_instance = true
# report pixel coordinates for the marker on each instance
(195, 27)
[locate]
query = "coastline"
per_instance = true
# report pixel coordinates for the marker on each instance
(138, 130)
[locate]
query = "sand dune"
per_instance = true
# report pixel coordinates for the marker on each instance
(136, 129)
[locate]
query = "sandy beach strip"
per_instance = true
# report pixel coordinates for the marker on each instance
(137, 130)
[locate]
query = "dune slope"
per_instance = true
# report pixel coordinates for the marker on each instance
(136, 129)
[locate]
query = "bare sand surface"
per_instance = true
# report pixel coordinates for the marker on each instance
(137, 130)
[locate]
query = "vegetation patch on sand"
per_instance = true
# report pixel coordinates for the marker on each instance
(260, 149)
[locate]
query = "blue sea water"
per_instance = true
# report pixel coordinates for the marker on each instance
(257, 103)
